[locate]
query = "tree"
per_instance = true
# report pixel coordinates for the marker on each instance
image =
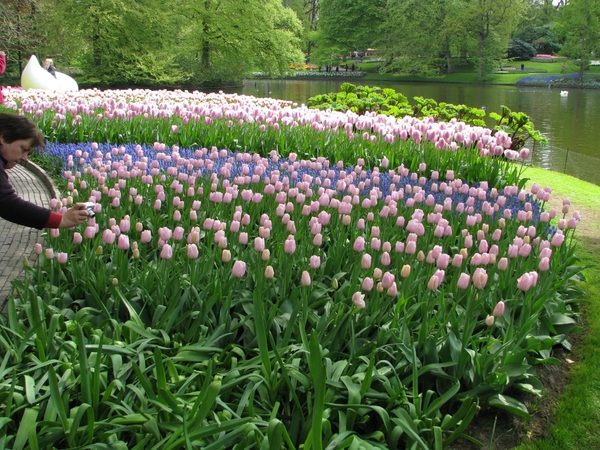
(120, 42)
(417, 36)
(18, 30)
(347, 25)
(490, 23)
(308, 13)
(579, 26)
(520, 50)
(536, 27)
(226, 40)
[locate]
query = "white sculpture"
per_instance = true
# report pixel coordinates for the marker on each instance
(35, 76)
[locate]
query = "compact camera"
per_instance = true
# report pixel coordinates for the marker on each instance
(89, 207)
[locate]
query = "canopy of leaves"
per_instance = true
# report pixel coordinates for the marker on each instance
(152, 43)
(520, 50)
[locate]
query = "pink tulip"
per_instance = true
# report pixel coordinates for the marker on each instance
(375, 244)
(77, 238)
(259, 244)
(61, 257)
(315, 262)
(433, 283)
(226, 256)
(499, 309)
(480, 278)
(387, 280)
(524, 282)
(239, 269)
(123, 242)
(392, 290)
(386, 260)
(269, 272)
(457, 260)
(146, 236)
(503, 264)
(89, 232)
(525, 250)
(558, 239)
(192, 251)
(318, 239)
(359, 300)
(463, 281)
(359, 244)
(544, 265)
(49, 253)
(367, 284)
(178, 233)
(305, 280)
(366, 261)
(289, 246)
(108, 237)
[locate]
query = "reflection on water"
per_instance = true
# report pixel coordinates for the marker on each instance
(569, 122)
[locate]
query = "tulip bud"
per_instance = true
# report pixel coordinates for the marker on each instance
(266, 254)
(489, 321)
(305, 278)
(269, 272)
(226, 256)
(405, 272)
(335, 284)
(499, 309)
(358, 300)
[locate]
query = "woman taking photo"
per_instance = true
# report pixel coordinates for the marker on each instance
(19, 136)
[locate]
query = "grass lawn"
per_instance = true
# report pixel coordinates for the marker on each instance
(467, 73)
(574, 423)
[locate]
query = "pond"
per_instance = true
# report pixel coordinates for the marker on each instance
(568, 121)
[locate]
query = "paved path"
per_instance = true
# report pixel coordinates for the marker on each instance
(17, 241)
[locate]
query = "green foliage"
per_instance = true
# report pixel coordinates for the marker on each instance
(362, 99)
(579, 27)
(150, 43)
(518, 126)
(347, 25)
(415, 34)
(542, 38)
(520, 50)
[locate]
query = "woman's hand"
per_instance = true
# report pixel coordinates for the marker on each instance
(74, 216)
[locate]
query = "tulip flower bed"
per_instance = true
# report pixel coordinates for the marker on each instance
(227, 298)
(243, 123)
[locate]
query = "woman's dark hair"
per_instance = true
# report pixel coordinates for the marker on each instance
(14, 128)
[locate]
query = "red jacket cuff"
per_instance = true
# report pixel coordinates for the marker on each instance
(54, 220)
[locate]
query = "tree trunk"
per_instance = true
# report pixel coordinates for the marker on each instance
(481, 57)
(449, 62)
(205, 58)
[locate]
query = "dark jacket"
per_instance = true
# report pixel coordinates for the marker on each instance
(14, 209)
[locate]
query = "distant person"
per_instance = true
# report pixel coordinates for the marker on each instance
(522, 67)
(49, 66)
(563, 68)
(2, 67)
(18, 137)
